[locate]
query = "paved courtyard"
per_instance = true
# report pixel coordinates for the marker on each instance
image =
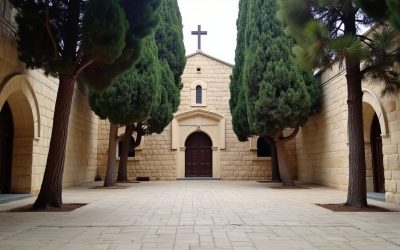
(200, 215)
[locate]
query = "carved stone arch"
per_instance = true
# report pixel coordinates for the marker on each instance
(372, 99)
(18, 91)
(186, 123)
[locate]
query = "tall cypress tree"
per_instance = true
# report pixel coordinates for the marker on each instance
(169, 37)
(130, 99)
(71, 39)
(170, 59)
(270, 88)
(327, 32)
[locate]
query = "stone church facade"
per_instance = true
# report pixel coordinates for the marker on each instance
(201, 128)
(203, 112)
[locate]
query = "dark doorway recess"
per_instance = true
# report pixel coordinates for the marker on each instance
(198, 155)
(377, 156)
(6, 148)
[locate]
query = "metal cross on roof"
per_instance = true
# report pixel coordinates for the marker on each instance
(199, 33)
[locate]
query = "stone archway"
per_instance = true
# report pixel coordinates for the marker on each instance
(198, 120)
(375, 128)
(21, 99)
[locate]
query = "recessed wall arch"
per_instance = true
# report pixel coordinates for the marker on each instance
(203, 86)
(372, 99)
(17, 90)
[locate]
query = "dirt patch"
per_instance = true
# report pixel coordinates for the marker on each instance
(67, 207)
(344, 208)
(288, 187)
(268, 181)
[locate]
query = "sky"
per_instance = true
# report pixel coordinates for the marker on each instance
(218, 18)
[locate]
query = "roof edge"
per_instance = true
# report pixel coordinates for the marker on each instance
(199, 52)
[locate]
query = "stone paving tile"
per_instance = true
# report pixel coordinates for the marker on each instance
(200, 215)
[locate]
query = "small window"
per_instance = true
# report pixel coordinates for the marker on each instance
(198, 69)
(131, 148)
(263, 148)
(198, 94)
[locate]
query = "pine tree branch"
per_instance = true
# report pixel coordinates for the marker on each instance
(80, 68)
(47, 25)
(291, 136)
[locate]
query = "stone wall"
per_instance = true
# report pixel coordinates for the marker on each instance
(322, 145)
(32, 96)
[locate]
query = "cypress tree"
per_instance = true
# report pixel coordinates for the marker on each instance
(130, 99)
(276, 93)
(170, 60)
(327, 32)
(72, 38)
(269, 93)
(169, 37)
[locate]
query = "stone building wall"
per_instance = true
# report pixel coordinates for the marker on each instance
(31, 96)
(322, 145)
(157, 157)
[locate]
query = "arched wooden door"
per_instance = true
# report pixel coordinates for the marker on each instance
(6, 148)
(377, 156)
(198, 155)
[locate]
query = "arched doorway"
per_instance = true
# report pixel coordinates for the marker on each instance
(6, 148)
(198, 155)
(377, 156)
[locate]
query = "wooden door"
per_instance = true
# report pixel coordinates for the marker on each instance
(198, 155)
(6, 148)
(377, 156)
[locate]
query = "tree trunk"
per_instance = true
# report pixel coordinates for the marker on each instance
(274, 160)
(283, 165)
(109, 180)
(123, 158)
(357, 190)
(51, 189)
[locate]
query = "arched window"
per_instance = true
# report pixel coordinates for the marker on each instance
(263, 148)
(131, 148)
(199, 96)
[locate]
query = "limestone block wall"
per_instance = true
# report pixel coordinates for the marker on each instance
(31, 96)
(322, 144)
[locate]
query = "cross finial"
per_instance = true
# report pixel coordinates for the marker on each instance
(199, 33)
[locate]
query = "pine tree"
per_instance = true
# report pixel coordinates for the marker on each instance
(72, 38)
(327, 32)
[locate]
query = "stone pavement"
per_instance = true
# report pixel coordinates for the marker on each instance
(200, 215)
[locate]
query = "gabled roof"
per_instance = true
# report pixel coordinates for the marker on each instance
(199, 52)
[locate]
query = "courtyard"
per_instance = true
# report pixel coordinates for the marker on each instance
(240, 215)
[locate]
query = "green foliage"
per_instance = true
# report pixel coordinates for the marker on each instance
(380, 9)
(95, 40)
(331, 35)
(134, 94)
(237, 102)
(148, 93)
(268, 91)
(169, 37)
(104, 24)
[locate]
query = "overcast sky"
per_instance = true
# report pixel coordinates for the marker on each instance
(218, 18)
